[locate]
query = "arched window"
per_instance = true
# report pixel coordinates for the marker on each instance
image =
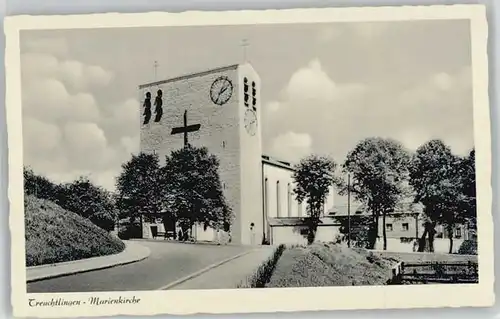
(278, 199)
(289, 200)
(254, 97)
(245, 91)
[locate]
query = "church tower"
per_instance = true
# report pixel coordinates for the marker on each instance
(219, 109)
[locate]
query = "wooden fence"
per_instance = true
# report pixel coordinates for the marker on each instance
(434, 273)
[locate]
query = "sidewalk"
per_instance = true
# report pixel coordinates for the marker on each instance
(133, 252)
(230, 274)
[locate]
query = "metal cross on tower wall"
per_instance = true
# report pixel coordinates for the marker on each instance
(185, 129)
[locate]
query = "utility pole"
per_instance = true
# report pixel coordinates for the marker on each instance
(349, 210)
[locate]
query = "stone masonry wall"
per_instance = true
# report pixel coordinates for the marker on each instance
(219, 130)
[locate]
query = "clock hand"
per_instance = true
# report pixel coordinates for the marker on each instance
(222, 91)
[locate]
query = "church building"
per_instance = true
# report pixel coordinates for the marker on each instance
(221, 109)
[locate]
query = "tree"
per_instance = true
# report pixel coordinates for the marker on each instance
(92, 202)
(138, 189)
(461, 208)
(468, 174)
(451, 206)
(313, 177)
(192, 189)
(358, 229)
(379, 170)
(42, 187)
(435, 174)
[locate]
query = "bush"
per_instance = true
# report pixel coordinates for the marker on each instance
(81, 197)
(42, 187)
(468, 247)
(92, 202)
(55, 235)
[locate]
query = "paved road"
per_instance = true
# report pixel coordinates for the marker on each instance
(168, 262)
(231, 274)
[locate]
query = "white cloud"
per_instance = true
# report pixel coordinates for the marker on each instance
(334, 113)
(84, 137)
(74, 74)
(127, 112)
(106, 179)
(121, 120)
(65, 132)
(48, 99)
(35, 65)
(82, 107)
(98, 76)
(51, 166)
(131, 144)
(336, 116)
(442, 81)
(39, 137)
(48, 45)
(311, 83)
(292, 146)
(311, 102)
(369, 30)
(414, 138)
(273, 106)
(45, 98)
(328, 34)
(461, 146)
(81, 76)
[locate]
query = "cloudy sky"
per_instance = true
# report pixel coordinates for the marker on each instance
(325, 87)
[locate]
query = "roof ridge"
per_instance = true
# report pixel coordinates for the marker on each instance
(190, 75)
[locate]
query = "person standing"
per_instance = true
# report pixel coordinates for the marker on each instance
(252, 234)
(159, 106)
(147, 108)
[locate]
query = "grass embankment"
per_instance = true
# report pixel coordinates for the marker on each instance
(323, 265)
(261, 277)
(56, 235)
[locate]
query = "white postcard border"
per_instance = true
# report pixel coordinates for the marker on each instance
(256, 300)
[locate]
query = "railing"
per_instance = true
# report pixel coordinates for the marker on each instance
(434, 272)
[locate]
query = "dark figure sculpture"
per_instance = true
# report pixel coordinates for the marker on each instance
(147, 108)
(158, 106)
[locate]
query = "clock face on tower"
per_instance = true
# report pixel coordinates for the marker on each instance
(250, 122)
(221, 90)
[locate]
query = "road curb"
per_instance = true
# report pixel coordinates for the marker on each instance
(202, 271)
(208, 243)
(38, 277)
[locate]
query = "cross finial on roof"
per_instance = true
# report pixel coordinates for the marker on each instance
(155, 66)
(245, 44)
